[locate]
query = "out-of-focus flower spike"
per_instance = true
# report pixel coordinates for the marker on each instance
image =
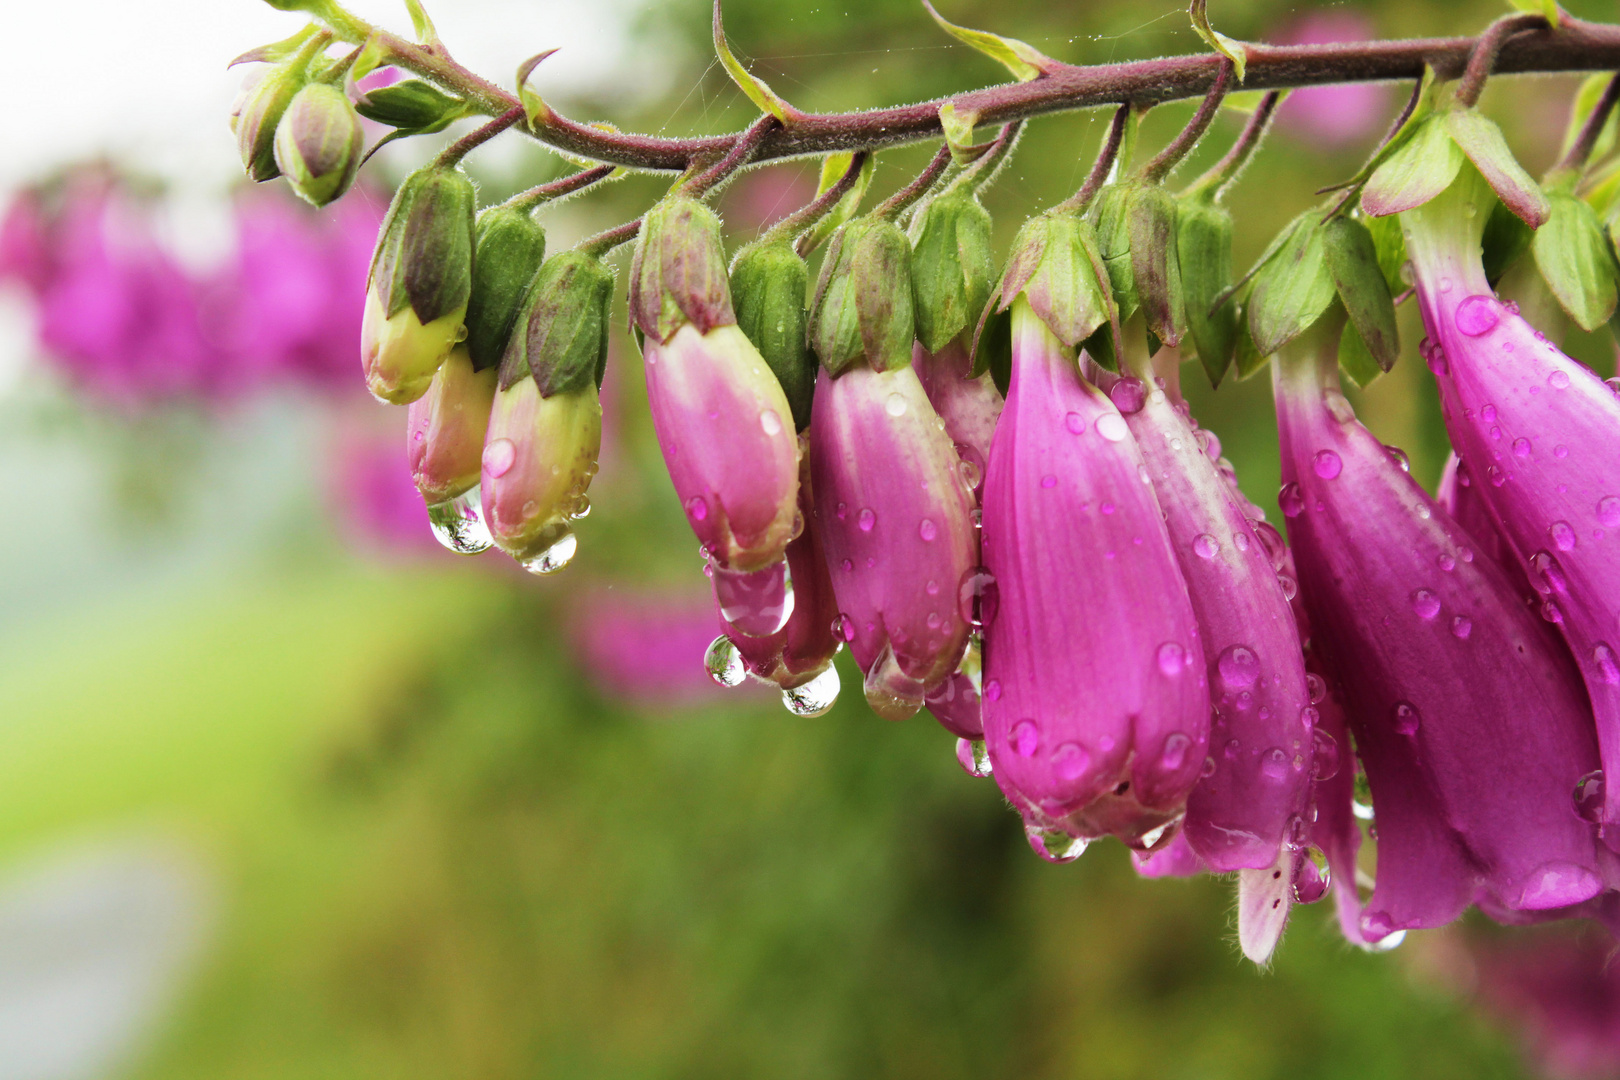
(1540, 435)
(1024, 61)
(1466, 714)
(420, 283)
(318, 143)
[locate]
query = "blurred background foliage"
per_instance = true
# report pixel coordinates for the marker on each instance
(442, 850)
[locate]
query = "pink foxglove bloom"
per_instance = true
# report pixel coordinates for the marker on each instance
(1096, 704)
(1539, 434)
(1467, 713)
(1561, 992)
(1262, 737)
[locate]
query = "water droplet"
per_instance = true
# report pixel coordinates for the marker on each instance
(1205, 546)
(1546, 575)
(1325, 754)
(1272, 540)
(1049, 481)
(1274, 764)
(1111, 426)
(1290, 587)
(1315, 687)
(1174, 755)
(1521, 448)
(1496, 476)
(724, 663)
(1434, 356)
(1558, 380)
(843, 628)
(1407, 719)
(1070, 761)
(1488, 414)
(1613, 384)
(927, 530)
(1240, 541)
(1172, 658)
(1563, 537)
(1291, 500)
(697, 508)
(1024, 738)
(1425, 603)
(1477, 315)
(1603, 659)
(866, 519)
(458, 523)
(814, 697)
(970, 473)
(1327, 464)
(1128, 395)
(1588, 797)
(554, 558)
(1552, 613)
(973, 757)
(1398, 456)
(1462, 626)
(498, 457)
(1608, 511)
(978, 597)
(1075, 423)
(758, 602)
(992, 690)
(580, 508)
(895, 406)
(1238, 667)
(1054, 845)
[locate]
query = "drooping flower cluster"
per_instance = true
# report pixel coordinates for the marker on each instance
(993, 491)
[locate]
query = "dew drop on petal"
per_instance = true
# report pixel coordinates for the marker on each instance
(1407, 720)
(1605, 663)
(1588, 796)
(1291, 500)
(1290, 587)
(1496, 476)
(1327, 464)
(771, 424)
(927, 530)
(973, 757)
(723, 663)
(459, 524)
(1477, 315)
(992, 690)
(843, 628)
(1462, 626)
(1112, 427)
(1398, 456)
(1074, 423)
(498, 457)
(1558, 380)
(554, 558)
(1070, 761)
(1274, 764)
(815, 697)
(866, 519)
(1446, 563)
(1172, 658)
(1521, 448)
(1315, 687)
(1425, 603)
(895, 406)
(757, 603)
(1563, 537)
(978, 597)
(697, 508)
(1128, 394)
(1325, 754)
(1174, 755)
(1238, 667)
(1205, 546)
(1024, 738)
(1608, 511)
(1049, 481)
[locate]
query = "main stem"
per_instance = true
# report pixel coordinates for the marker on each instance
(1575, 46)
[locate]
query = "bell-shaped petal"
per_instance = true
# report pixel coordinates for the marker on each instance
(1258, 774)
(1467, 713)
(896, 518)
(1540, 436)
(969, 405)
(444, 440)
(1096, 705)
(539, 457)
(728, 441)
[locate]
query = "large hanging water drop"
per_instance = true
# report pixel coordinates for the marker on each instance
(724, 663)
(1054, 845)
(814, 697)
(758, 603)
(554, 558)
(458, 523)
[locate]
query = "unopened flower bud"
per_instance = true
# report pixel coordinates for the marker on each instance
(1204, 255)
(863, 302)
(412, 104)
(445, 433)
(539, 457)
(421, 278)
(952, 268)
(1053, 267)
(509, 248)
(257, 115)
(318, 143)
(768, 286)
(678, 276)
(560, 334)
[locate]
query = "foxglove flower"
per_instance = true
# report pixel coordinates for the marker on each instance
(1466, 712)
(1540, 436)
(445, 429)
(722, 420)
(1262, 747)
(969, 405)
(891, 504)
(1096, 705)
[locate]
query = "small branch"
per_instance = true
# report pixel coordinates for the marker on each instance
(990, 160)
(1225, 171)
(735, 158)
(812, 212)
(1482, 61)
(1168, 158)
(459, 149)
(1077, 203)
(1581, 149)
(556, 189)
(896, 204)
(604, 242)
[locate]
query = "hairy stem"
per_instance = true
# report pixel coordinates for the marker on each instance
(556, 189)
(814, 211)
(897, 203)
(1482, 61)
(1581, 149)
(478, 137)
(1179, 147)
(1095, 179)
(1225, 171)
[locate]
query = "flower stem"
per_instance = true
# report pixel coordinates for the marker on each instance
(1168, 158)
(896, 204)
(1226, 171)
(604, 242)
(557, 189)
(735, 158)
(812, 212)
(1581, 149)
(452, 154)
(1482, 60)
(1077, 203)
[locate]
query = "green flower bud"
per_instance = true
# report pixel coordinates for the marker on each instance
(952, 268)
(769, 283)
(1293, 286)
(1352, 259)
(412, 105)
(863, 300)
(318, 143)
(560, 335)
(1204, 254)
(678, 275)
(421, 279)
(1110, 216)
(1155, 269)
(256, 117)
(510, 246)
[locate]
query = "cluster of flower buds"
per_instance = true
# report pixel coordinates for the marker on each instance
(994, 492)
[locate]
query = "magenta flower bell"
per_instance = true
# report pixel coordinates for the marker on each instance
(1096, 705)
(1467, 713)
(1539, 434)
(969, 405)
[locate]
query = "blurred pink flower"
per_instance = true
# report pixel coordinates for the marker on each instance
(647, 648)
(1331, 117)
(1562, 991)
(372, 496)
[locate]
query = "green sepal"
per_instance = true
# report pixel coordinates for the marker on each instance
(413, 105)
(1354, 357)
(1155, 269)
(1390, 243)
(1055, 266)
(678, 275)
(952, 268)
(1424, 165)
(510, 247)
(1352, 260)
(425, 247)
(1246, 359)
(1110, 216)
(1574, 258)
(992, 347)
(260, 115)
(769, 282)
(863, 300)
(1100, 347)
(560, 336)
(1506, 239)
(1292, 289)
(833, 167)
(1481, 140)
(1204, 253)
